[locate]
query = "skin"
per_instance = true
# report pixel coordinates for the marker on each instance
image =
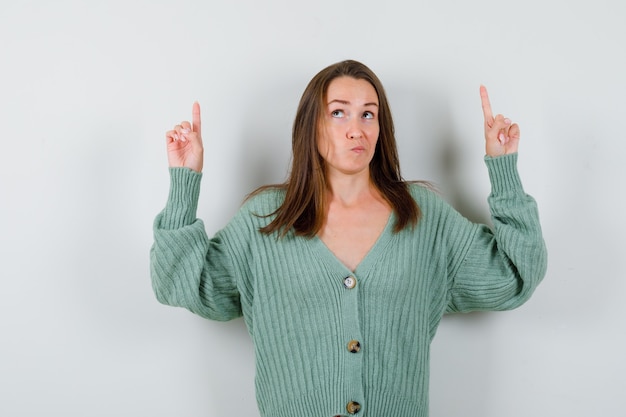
(349, 129)
(356, 213)
(501, 136)
(184, 143)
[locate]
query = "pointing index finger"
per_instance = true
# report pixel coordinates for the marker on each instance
(195, 118)
(484, 98)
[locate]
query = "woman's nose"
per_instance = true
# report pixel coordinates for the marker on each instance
(354, 131)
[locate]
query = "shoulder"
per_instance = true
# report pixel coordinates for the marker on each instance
(259, 207)
(265, 200)
(423, 192)
(431, 202)
(256, 212)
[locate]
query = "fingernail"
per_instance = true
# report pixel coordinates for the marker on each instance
(186, 130)
(507, 121)
(501, 138)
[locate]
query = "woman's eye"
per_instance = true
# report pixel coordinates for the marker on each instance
(368, 115)
(336, 113)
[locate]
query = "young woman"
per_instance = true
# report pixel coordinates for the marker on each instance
(342, 273)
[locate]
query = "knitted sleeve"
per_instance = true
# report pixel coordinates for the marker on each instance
(187, 268)
(500, 268)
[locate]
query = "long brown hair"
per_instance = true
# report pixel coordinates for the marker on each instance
(305, 202)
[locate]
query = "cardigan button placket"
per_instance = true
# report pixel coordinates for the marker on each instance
(351, 329)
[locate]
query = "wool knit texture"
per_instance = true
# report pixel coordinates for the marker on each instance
(301, 316)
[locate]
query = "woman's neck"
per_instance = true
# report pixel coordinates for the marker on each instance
(350, 190)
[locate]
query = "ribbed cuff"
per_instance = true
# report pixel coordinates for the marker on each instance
(182, 202)
(503, 173)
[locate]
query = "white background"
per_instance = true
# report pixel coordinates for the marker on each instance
(87, 91)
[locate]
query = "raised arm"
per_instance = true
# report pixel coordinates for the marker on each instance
(503, 265)
(187, 268)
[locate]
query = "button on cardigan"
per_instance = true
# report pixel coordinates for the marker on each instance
(301, 312)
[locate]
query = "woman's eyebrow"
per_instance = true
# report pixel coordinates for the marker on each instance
(345, 102)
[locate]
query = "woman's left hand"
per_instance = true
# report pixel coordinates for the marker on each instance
(501, 136)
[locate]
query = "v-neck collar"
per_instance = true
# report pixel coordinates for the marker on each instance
(370, 257)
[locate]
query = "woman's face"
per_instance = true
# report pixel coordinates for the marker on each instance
(349, 126)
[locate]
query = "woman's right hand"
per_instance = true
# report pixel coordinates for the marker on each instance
(184, 143)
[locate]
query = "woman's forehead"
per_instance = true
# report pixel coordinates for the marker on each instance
(351, 91)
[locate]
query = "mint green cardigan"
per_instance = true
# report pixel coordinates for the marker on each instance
(326, 345)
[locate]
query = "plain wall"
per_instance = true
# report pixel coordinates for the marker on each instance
(88, 89)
